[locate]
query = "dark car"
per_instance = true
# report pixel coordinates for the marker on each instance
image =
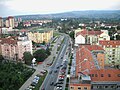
(55, 84)
(61, 79)
(59, 82)
(50, 72)
(33, 84)
(52, 83)
(57, 67)
(55, 71)
(61, 57)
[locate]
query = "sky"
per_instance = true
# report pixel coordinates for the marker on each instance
(26, 7)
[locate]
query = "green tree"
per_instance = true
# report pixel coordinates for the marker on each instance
(40, 55)
(72, 34)
(48, 51)
(44, 43)
(27, 57)
(1, 58)
(20, 25)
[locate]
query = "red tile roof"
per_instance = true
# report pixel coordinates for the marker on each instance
(23, 30)
(87, 32)
(105, 75)
(8, 41)
(10, 17)
(114, 43)
(93, 47)
(80, 84)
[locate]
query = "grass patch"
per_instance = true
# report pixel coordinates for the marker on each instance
(56, 34)
(52, 45)
(37, 87)
(62, 40)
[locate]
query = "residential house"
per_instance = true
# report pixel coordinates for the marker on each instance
(90, 37)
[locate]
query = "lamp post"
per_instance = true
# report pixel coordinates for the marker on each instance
(33, 62)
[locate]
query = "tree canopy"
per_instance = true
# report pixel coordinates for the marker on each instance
(40, 55)
(27, 57)
(13, 75)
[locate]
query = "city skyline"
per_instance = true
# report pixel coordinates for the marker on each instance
(26, 7)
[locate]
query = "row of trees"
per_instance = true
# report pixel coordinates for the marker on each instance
(40, 56)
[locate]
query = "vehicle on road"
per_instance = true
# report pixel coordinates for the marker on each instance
(50, 72)
(51, 83)
(55, 71)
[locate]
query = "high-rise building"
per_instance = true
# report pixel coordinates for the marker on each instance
(1, 22)
(10, 22)
(12, 48)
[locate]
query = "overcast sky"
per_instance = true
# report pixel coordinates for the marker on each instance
(23, 7)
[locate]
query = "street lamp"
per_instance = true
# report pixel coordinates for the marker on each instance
(33, 61)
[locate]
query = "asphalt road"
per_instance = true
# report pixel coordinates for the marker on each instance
(54, 76)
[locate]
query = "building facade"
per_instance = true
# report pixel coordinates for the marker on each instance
(90, 37)
(112, 50)
(13, 48)
(1, 22)
(39, 36)
(90, 71)
(10, 22)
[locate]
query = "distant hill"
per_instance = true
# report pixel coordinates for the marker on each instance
(109, 14)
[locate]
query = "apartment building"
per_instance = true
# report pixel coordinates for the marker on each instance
(10, 22)
(12, 48)
(90, 71)
(1, 22)
(39, 36)
(112, 50)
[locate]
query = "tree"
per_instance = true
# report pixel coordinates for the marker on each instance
(1, 58)
(72, 34)
(40, 55)
(27, 57)
(48, 51)
(44, 43)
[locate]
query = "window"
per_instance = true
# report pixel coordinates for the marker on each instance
(109, 75)
(89, 74)
(118, 75)
(96, 75)
(102, 75)
(106, 86)
(79, 88)
(72, 88)
(92, 75)
(85, 88)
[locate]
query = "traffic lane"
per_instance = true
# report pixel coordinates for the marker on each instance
(53, 79)
(53, 67)
(51, 87)
(65, 75)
